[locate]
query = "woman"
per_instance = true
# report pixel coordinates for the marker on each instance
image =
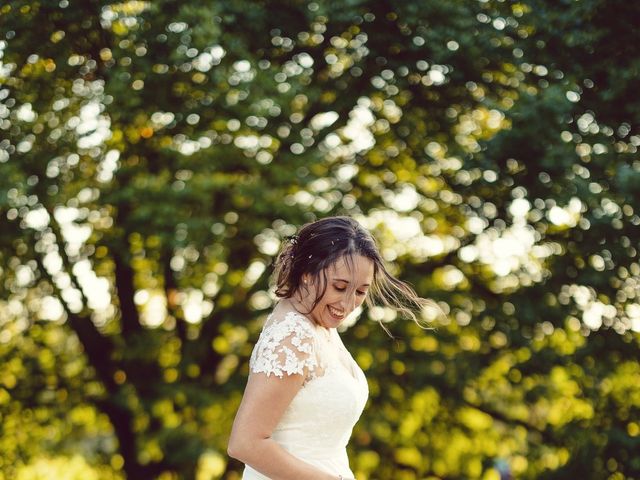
(305, 392)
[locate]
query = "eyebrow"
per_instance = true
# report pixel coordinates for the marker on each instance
(347, 281)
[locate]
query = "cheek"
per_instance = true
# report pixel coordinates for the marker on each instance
(330, 298)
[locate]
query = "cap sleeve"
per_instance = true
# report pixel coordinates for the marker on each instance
(285, 347)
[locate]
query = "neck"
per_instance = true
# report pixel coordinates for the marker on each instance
(300, 306)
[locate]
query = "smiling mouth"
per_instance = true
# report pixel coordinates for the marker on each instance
(335, 313)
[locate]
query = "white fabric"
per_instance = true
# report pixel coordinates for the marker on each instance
(317, 425)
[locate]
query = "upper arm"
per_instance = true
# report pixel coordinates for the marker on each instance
(263, 404)
(281, 361)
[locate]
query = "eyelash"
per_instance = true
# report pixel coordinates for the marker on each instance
(357, 291)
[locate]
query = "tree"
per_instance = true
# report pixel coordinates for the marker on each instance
(157, 153)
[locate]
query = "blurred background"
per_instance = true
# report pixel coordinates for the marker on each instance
(154, 155)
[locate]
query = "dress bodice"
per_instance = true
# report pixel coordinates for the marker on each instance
(318, 422)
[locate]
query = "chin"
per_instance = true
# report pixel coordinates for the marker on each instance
(331, 323)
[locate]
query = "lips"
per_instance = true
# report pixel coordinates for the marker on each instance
(334, 312)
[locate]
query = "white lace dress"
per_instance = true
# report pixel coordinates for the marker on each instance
(317, 425)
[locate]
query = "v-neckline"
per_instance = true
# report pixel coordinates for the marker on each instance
(344, 357)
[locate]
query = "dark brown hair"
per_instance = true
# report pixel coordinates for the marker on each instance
(321, 244)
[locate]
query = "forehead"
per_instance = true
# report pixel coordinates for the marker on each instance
(357, 269)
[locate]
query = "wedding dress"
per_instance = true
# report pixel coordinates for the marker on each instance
(318, 422)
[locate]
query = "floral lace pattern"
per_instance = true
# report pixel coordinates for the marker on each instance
(285, 347)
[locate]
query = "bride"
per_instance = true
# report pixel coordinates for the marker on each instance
(305, 392)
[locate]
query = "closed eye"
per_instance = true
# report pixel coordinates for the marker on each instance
(358, 292)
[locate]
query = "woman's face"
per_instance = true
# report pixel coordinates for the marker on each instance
(347, 287)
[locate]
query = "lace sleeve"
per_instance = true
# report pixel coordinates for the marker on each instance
(285, 347)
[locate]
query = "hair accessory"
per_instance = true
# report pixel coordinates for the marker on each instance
(293, 240)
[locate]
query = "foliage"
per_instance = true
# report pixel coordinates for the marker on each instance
(156, 153)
